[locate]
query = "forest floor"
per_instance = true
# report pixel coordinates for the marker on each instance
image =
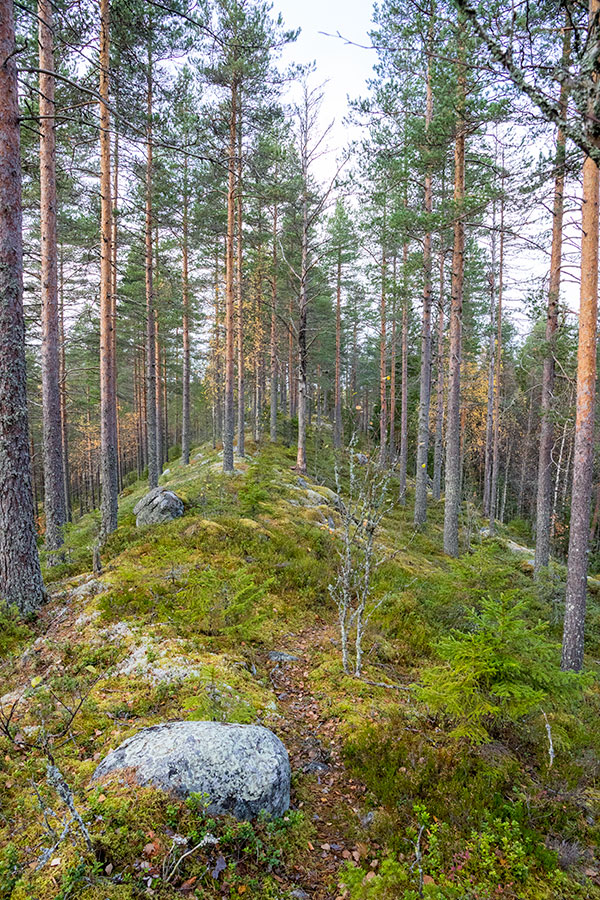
(390, 799)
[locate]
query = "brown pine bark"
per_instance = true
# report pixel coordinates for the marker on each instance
(63, 397)
(302, 325)
(20, 575)
(498, 372)
(439, 411)
(403, 457)
(392, 431)
(273, 336)
(583, 454)
(544, 485)
(383, 354)
(453, 429)
(108, 449)
(489, 422)
(337, 403)
(54, 495)
(420, 514)
(241, 398)
(185, 392)
(228, 418)
(151, 443)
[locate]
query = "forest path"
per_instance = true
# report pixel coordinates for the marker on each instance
(329, 797)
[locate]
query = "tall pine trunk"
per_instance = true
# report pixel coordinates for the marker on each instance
(403, 457)
(544, 485)
(228, 418)
(273, 335)
(498, 372)
(583, 457)
(383, 353)
(20, 574)
(185, 391)
(241, 398)
(54, 494)
(108, 450)
(420, 514)
(337, 403)
(151, 442)
(438, 446)
(453, 430)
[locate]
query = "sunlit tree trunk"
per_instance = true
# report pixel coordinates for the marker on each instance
(421, 477)
(273, 335)
(108, 450)
(54, 495)
(453, 467)
(403, 457)
(383, 353)
(228, 418)
(498, 372)
(438, 446)
(337, 403)
(583, 454)
(151, 418)
(20, 574)
(544, 485)
(241, 399)
(185, 388)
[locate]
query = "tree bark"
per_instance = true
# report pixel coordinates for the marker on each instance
(151, 442)
(20, 574)
(498, 371)
(583, 458)
(392, 432)
(453, 467)
(228, 418)
(241, 399)
(185, 391)
(439, 412)
(383, 355)
(108, 450)
(54, 495)
(544, 486)
(273, 336)
(403, 458)
(337, 403)
(420, 514)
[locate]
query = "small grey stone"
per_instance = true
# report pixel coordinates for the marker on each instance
(281, 656)
(299, 894)
(243, 769)
(157, 506)
(315, 765)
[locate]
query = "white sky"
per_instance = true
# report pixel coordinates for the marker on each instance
(345, 68)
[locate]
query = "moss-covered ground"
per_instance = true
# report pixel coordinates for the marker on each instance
(387, 801)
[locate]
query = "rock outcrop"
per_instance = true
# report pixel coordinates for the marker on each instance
(242, 769)
(157, 506)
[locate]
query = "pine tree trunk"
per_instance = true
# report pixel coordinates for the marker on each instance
(108, 450)
(241, 399)
(439, 411)
(392, 437)
(302, 348)
(151, 443)
(20, 575)
(63, 398)
(185, 412)
(544, 486)
(273, 337)
(403, 458)
(498, 372)
(337, 405)
(453, 430)
(383, 356)
(583, 455)
(420, 515)
(489, 422)
(228, 421)
(54, 495)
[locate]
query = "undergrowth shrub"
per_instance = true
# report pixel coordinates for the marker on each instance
(500, 672)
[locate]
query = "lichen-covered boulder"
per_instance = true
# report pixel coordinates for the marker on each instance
(157, 506)
(242, 769)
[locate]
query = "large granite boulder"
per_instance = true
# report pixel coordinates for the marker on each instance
(243, 769)
(157, 506)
